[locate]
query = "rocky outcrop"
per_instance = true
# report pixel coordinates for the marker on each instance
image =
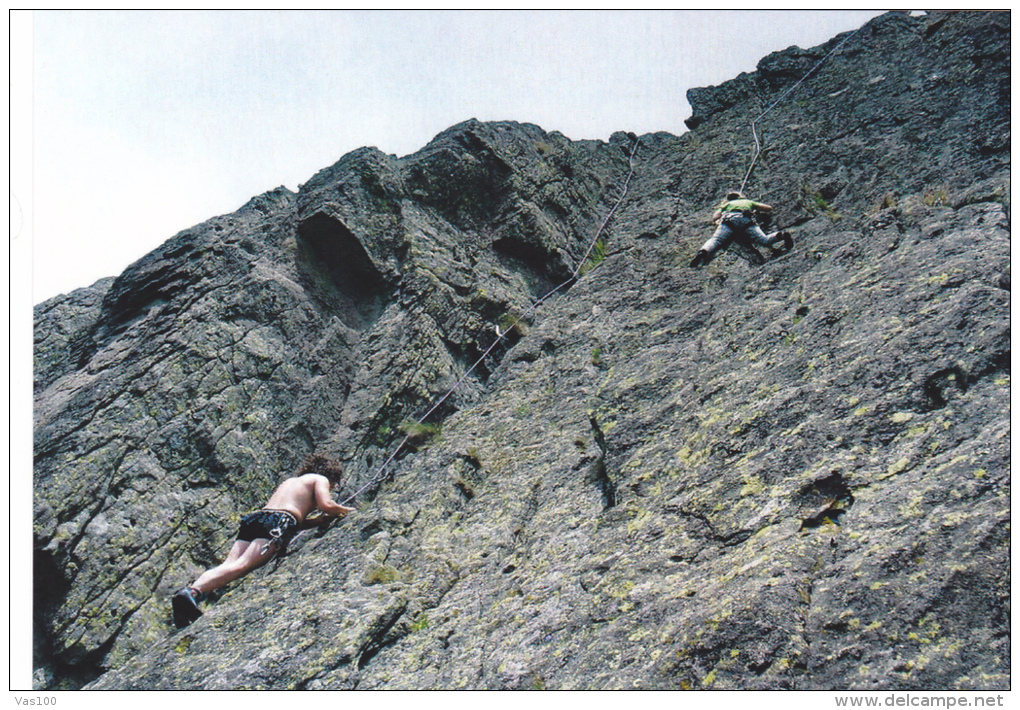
(786, 476)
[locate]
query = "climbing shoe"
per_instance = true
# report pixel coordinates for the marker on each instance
(700, 259)
(787, 241)
(185, 605)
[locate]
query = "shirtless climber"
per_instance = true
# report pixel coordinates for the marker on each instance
(265, 532)
(736, 218)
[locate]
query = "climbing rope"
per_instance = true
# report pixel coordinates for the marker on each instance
(754, 123)
(501, 334)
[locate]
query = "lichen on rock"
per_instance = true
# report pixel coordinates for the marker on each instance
(786, 476)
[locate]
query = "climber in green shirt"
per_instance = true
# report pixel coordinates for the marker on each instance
(736, 217)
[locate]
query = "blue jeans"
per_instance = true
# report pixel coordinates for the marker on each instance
(734, 224)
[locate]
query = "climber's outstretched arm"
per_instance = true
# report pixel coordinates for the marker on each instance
(324, 501)
(316, 519)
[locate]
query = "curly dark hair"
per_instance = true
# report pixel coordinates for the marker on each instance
(317, 463)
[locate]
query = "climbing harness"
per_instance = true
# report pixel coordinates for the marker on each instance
(501, 333)
(754, 131)
(276, 533)
(280, 534)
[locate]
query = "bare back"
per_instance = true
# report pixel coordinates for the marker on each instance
(298, 495)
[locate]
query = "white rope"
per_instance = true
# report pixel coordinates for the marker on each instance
(754, 132)
(500, 335)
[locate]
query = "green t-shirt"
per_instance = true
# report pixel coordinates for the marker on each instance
(742, 205)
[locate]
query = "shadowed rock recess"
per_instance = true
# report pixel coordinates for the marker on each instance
(787, 476)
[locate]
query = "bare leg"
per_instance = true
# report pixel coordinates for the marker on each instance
(243, 558)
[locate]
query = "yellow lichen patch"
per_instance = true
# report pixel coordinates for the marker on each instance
(638, 635)
(752, 486)
(952, 520)
(642, 519)
(621, 589)
(916, 431)
(898, 467)
(690, 458)
(912, 508)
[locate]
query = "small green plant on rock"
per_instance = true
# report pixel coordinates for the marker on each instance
(936, 198)
(419, 434)
(510, 323)
(383, 574)
(596, 257)
(888, 201)
(814, 203)
(420, 623)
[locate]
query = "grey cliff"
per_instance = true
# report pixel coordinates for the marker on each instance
(793, 475)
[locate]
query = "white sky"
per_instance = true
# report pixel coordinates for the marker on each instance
(146, 123)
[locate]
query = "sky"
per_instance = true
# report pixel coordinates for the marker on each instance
(147, 123)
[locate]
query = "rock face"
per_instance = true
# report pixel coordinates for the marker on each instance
(787, 476)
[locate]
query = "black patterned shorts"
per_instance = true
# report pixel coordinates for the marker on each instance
(274, 525)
